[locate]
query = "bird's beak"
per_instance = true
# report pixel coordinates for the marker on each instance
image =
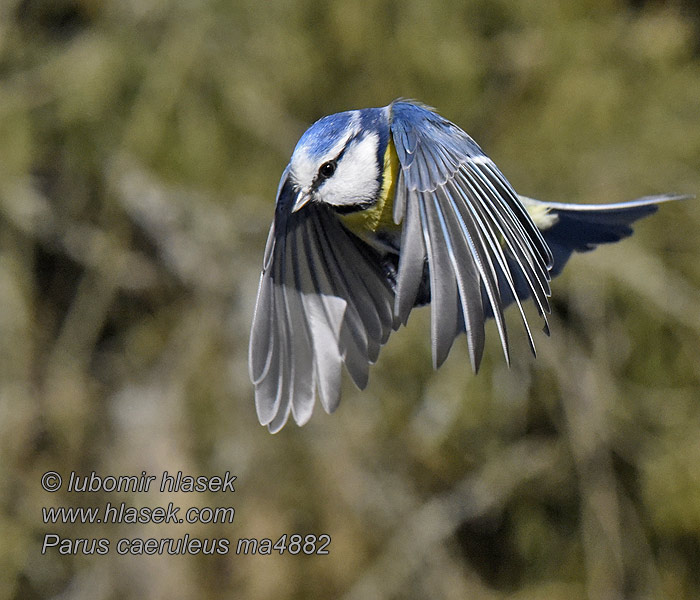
(289, 194)
(301, 200)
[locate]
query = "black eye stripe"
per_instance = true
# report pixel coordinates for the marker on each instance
(336, 160)
(332, 164)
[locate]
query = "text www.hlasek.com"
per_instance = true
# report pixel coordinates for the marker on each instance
(123, 513)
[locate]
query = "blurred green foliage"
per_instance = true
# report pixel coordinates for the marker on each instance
(141, 143)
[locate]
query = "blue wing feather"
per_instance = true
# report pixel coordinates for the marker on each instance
(462, 201)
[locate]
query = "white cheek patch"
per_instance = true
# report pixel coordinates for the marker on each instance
(356, 179)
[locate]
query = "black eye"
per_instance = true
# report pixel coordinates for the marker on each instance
(327, 169)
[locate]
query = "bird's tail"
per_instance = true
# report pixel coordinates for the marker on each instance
(579, 227)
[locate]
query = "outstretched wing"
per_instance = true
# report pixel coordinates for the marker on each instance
(463, 217)
(323, 301)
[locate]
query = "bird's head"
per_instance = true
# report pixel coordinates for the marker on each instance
(339, 162)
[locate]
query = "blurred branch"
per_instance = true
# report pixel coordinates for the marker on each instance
(648, 277)
(423, 530)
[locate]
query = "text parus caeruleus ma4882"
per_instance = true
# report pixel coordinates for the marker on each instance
(384, 209)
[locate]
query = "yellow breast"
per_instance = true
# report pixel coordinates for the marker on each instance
(379, 216)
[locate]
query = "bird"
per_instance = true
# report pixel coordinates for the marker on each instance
(381, 210)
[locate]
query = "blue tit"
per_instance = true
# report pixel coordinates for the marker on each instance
(384, 209)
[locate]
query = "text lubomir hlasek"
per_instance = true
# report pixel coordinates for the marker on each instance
(176, 482)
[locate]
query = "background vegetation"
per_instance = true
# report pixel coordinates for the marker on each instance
(141, 142)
